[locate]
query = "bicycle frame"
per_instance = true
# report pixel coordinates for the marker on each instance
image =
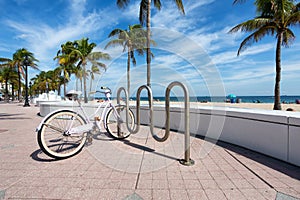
(90, 124)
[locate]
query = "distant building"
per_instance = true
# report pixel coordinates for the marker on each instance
(2, 89)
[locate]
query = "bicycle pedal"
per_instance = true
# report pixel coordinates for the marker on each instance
(121, 135)
(97, 118)
(89, 141)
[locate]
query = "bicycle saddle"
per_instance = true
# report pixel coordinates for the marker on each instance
(73, 94)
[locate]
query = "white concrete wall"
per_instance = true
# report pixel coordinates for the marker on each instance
(274, 133)
(294, 140)
(47, 107)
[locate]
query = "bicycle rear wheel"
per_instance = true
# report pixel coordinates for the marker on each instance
(53, 138)
(116, 122)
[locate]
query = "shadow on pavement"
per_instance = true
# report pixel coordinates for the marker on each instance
(276, 164)
(5, 116)
(37, 156)
(147, 149)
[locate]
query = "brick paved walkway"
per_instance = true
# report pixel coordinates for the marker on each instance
(137, 168)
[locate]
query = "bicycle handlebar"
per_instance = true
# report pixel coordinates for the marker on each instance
(107, 90)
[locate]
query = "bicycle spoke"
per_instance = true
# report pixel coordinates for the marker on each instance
(116, 122)
(54, 128)
(52, 139)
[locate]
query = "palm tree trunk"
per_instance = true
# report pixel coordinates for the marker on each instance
(65, 85)
(58, 89)
(12, 92)
(84, 84)
(76, 84)
(19, 89)
(148, 44)
(91, 83)
(277, 104)
(6, 91)
(128, 72)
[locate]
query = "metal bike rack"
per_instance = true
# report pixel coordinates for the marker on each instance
(187, 160)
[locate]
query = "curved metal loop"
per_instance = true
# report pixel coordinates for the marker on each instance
(187, 160)
(127, 105)
(138, 105)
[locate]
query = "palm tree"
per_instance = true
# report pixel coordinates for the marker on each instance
(94, 70)
(58, 79)
(145, 17)
(66, 62)
(39, 82)
(4, 63)
(83, 51)
(133, 39)
(18, 62)
(7, 75)
(275, 19)
(79, 75)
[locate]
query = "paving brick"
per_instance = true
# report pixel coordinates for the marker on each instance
(268, 193)
(242, 184)
(233, 194)
(161, 194)
(160, 184)
(225, 184)
(252, 194)
(179, 194)
(110, 169)
(209, 184)
(192, 184)
(215, 194)
(196, 194)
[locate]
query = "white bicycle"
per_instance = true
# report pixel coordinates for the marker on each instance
(63, 133)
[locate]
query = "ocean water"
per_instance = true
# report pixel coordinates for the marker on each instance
(243, 99)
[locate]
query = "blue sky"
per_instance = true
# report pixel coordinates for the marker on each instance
(195, 48)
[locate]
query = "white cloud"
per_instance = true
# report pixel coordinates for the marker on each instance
(44, 40)
(198, 39)
(257, 49)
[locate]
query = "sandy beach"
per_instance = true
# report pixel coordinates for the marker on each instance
(264, 106)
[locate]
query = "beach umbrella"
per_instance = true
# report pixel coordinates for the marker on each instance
(231, 96)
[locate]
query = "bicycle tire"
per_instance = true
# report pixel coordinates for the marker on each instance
(112, 123)
(52, 138)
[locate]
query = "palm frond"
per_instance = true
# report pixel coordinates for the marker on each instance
(99, 55)
(135, 26)
(180, 6)
(113, 43)
(288, 38)
(140, 51)
(255, 37)
(5, 60)
(115, 32)
(143, 12)
(293, 19)
(239, 1)
(250, 25)
(122, 3)
(157, 4)
(100, 64)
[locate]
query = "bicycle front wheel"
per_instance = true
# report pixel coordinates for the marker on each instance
(53, 137)
(116, 122)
